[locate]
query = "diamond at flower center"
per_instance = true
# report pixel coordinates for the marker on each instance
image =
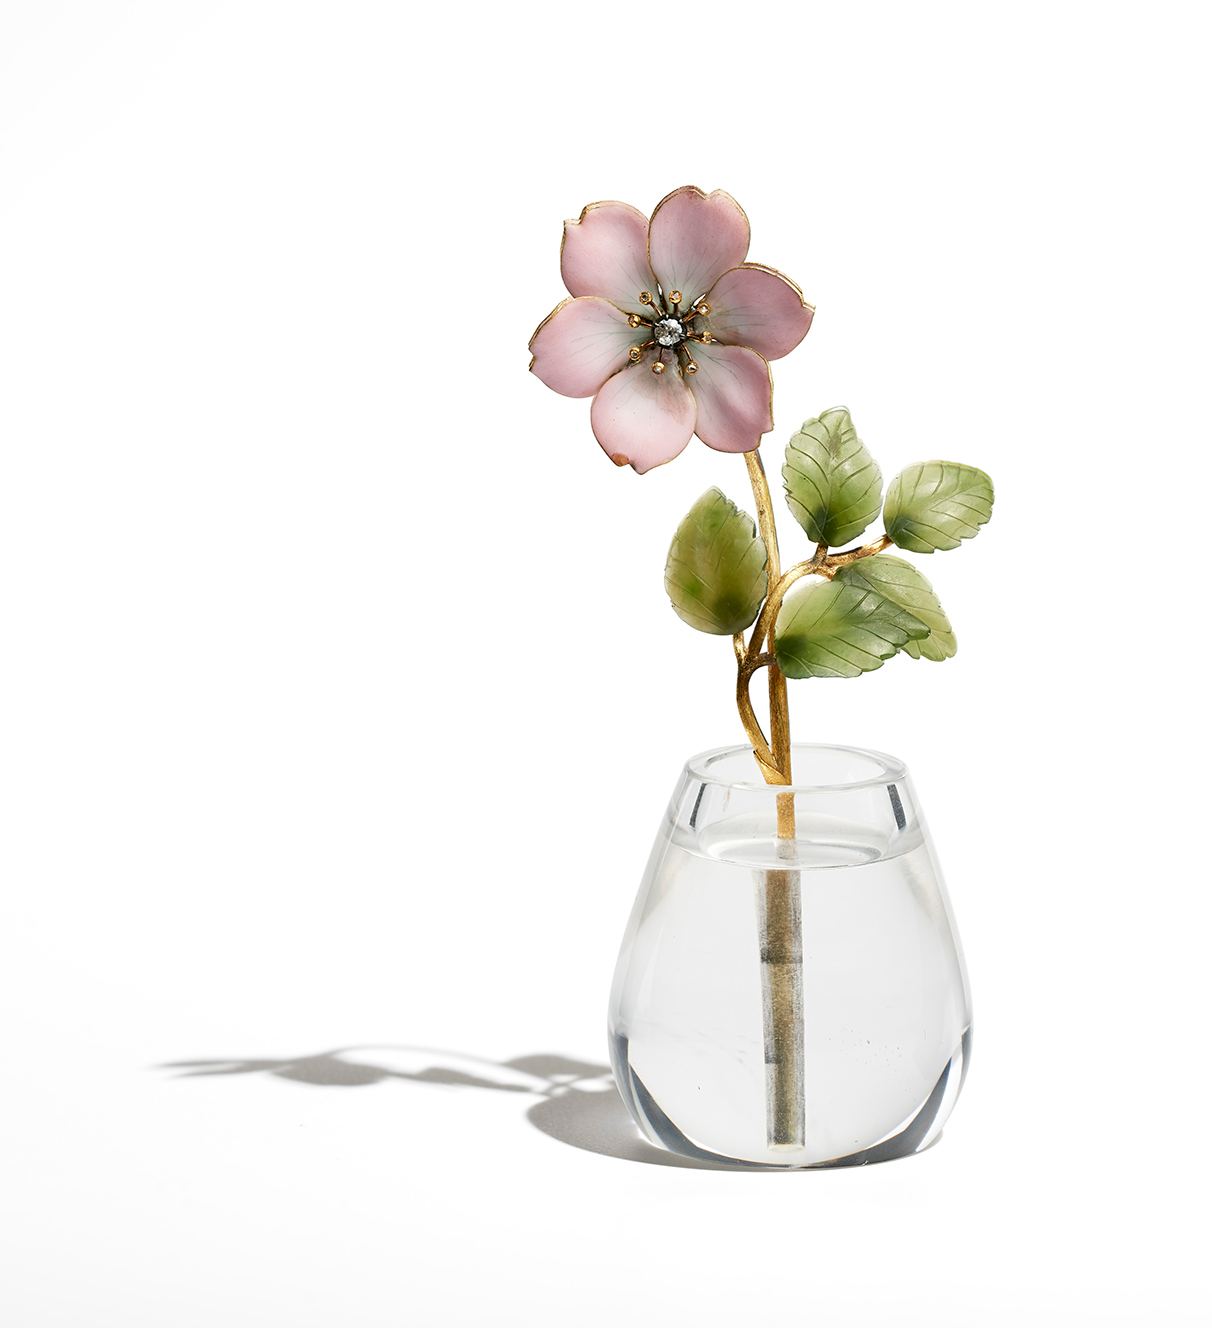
(669, 332)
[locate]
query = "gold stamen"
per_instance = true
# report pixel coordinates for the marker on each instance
(634, 320)
(634, 354)
(691, 367)
(676, 296)
(645, 297)
(703, 309)
(659, 367)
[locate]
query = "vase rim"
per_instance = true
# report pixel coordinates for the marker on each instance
(884, 769)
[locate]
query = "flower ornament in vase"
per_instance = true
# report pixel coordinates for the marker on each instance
(669, 329)
(790, 992)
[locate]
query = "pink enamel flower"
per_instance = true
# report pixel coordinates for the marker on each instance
(669, 329)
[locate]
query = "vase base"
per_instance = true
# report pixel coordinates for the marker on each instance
(919, 1133)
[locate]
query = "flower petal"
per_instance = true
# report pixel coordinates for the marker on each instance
(605, 252)
(756, 306)
(642, 419)
(694, 238)
(733, 391)
(580, 344)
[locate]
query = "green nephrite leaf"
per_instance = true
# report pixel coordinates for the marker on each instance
(903, 584)
(834, 630)
(832, 482)
(715, 574)
(935, 504)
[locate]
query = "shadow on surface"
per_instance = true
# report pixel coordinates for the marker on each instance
(578, 1102)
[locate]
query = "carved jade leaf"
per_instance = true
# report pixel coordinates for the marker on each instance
(834, 630)
(903, 584)
(832, 482)
(715, 574)
(935, 504)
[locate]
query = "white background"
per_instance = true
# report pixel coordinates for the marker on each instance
(341, 697)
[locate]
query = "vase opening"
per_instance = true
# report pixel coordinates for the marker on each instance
(814, 767)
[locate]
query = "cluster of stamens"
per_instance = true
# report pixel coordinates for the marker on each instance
(670, 329)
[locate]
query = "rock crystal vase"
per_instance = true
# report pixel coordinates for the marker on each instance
(791, 1000)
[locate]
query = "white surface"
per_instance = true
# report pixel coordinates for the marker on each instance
(290, 765)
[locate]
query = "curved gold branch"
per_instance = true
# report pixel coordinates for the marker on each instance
(780, 725)
(753, 730)
(853, 555)
(750, 667)
(822, 563)
(774, 601)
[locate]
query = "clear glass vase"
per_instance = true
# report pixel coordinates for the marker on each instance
(791, 990)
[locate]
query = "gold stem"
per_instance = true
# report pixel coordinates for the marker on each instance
(778, 891)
